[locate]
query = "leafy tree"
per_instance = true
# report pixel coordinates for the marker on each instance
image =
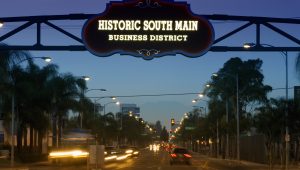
(270, 122)
(250, 80)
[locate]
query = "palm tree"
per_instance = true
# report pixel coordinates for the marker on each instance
(64, 91)
(9, 62)
(34, 102)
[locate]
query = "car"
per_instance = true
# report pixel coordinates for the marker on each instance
(135, 151)
(110, 150)
(131, 150)
(180, 155)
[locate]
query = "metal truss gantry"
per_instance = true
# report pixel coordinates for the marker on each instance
(250, 21)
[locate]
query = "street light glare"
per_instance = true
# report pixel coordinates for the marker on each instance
(194, 101)
(208, 85)
(47, 59)
(248, 45)
(215, 74)
(1, 24)
(113, 98)
(201, 95)
(86, 78)
(117, 103)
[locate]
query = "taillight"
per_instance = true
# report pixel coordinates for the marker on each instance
(187, 155)
(173, 155)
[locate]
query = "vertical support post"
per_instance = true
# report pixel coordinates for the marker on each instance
(286, 113)
(38, 33)
(12, 130)
(217, 138)
(227, 135)
(237, 119)
(258, 34)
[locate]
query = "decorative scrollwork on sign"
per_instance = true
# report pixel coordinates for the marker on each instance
(148, 53)
(148, 4)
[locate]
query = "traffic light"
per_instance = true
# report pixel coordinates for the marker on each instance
(172, 122)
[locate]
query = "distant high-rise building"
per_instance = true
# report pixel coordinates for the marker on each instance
(130, 108)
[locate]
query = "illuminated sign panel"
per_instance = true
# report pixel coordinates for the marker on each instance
(148, 29)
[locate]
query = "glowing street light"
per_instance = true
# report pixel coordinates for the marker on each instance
(86, 78)
(47, 59)
(117, 103)
(248, 45)
(1, 24)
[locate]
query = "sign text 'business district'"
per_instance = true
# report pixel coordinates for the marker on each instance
(148, 29)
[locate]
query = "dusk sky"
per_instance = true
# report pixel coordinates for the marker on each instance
(127, 75)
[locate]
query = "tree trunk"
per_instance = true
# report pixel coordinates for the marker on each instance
(25, 138)
(35, 140)
(19, 138)
(31, 139)
(54, 134)
(40, 141)
(59, 130)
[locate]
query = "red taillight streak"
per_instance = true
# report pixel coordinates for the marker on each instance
(187, 155)
(173, 155)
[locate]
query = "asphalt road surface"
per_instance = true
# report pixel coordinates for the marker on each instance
(150, 160)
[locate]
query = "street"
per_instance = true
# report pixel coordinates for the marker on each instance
(150, 160)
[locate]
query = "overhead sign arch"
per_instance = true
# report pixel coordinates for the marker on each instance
(148, 29)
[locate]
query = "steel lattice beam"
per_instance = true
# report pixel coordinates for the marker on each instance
(47, 20)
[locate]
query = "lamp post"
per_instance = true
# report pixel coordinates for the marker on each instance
(85, 78)
(46, 59)
(95, 100)
(285, 55)
(117, 103)
(236, 77)
(194, 101)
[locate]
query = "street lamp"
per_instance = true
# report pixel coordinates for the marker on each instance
(46, 59)
(1, 24)
(201, 95)
(194, 101)
(237, 113)
(284, 54)
(117, 103)
(95, 100)
(85, 78)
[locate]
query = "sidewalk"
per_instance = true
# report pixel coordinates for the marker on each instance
(242, 164)
(5, 165)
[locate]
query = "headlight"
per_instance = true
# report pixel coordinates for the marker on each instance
(129, 151)
(72, 153)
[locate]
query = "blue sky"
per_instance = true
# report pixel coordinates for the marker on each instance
(126, 75)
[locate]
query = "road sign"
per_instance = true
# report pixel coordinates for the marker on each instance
(189, 128)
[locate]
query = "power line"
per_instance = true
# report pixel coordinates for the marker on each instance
(147, 95)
